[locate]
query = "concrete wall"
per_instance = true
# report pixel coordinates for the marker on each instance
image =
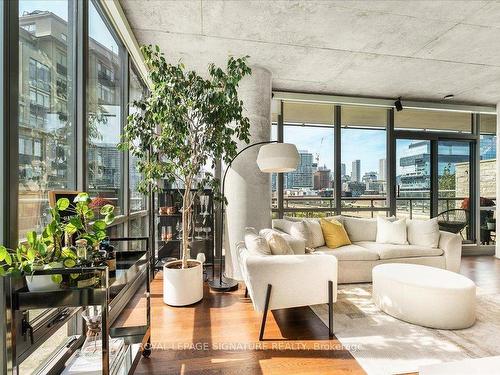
(248, 190)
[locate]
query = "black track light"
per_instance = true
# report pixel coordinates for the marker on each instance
(398, 105)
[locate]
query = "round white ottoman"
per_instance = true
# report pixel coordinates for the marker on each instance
(427, 296)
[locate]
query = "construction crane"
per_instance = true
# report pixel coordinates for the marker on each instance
(320, 144)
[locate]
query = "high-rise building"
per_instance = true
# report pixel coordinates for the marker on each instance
(382, 170)
(302, 177)
(369, 177)
(356, 171)
(322, 178)
(342, 170)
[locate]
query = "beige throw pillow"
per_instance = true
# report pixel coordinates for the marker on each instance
(391, 232)
(256, 244)
(277, 244)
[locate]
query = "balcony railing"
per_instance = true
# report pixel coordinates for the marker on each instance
(411, 207)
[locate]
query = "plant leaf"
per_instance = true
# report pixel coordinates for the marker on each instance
(62, 204)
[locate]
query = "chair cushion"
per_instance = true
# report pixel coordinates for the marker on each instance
(391, 251)
(334, 234)
(350, 252)
(423, 232)
(298, 245)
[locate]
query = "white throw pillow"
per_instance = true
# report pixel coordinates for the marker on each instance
(314, 236)
(298, 245)
(256, 244)
(296, 229)
(423, 232)
(276, 242)
(391, 232)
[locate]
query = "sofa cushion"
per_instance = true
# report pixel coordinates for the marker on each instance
(350, 252)
(298, 245)
(315, 234)
(393, 232)
(391, 251)
(256, 244)
(276, 242)
(296, 229)
(334, 234)
(360, 229)
(423, 232)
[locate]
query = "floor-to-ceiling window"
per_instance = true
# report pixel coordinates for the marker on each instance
(104, 111)
(363, 161)
(309, 190)
(487, 178)
(416, 163)
(46, 119)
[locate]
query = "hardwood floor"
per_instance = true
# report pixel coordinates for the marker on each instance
(219, 335)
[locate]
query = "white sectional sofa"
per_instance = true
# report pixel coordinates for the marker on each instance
(356, 261)
(307, 271)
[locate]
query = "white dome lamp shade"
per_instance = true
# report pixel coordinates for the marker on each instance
(278, 158)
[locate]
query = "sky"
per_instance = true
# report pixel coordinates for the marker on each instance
(367, 145)
(97, 28)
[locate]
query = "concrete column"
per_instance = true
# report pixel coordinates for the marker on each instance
(248, 190)
(497, 246)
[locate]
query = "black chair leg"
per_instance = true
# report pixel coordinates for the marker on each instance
(330, 309)
(246, 292)
(266, 307)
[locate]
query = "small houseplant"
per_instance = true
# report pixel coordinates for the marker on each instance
(185, 123)
(53, 248)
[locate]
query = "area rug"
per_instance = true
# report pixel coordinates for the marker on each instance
(384, 345)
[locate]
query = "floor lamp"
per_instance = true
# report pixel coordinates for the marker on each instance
(273, 157)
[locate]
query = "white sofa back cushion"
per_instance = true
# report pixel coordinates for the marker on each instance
(256, 244)
(277, 243)
(359, 229)
(393, 232)
(298, 245)
(297, 229)
(423, 232)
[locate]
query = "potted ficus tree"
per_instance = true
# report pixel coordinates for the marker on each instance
(186, 122)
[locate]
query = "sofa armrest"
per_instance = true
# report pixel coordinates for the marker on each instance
(451, 244)
(297, 280)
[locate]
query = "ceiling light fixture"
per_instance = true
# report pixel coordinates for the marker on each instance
(398, 105)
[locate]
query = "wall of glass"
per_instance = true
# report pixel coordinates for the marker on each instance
(50, 123)
(431, 165)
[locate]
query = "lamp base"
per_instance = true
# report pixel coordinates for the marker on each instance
(227, 284)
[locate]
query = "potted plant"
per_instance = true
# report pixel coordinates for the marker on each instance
(186, 122)
(53, 248)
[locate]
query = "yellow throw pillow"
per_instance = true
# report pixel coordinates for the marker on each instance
(334, 233)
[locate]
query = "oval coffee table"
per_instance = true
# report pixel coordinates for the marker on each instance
(427, 296)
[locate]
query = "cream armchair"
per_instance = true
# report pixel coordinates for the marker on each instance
(283, 281)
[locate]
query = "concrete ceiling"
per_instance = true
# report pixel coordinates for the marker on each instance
(420, 50)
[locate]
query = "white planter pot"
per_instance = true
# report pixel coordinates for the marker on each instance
(42, 283)
(182, 286)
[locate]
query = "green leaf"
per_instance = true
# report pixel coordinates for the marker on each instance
(82, 197)
(3, 253)
(70, 228)
(99, 225)
(108, 219)
(57, 279)
(69, 263)
(62, 204)
(107, 209)
(31, 237)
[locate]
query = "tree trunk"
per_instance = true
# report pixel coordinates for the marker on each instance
(186, 206)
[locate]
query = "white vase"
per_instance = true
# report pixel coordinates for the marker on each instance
(43, 283)
(182, 286)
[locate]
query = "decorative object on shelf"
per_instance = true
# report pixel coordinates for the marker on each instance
(93, 317)
(196, 120)
(166, 233)
(170, 210)
(273, 157)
